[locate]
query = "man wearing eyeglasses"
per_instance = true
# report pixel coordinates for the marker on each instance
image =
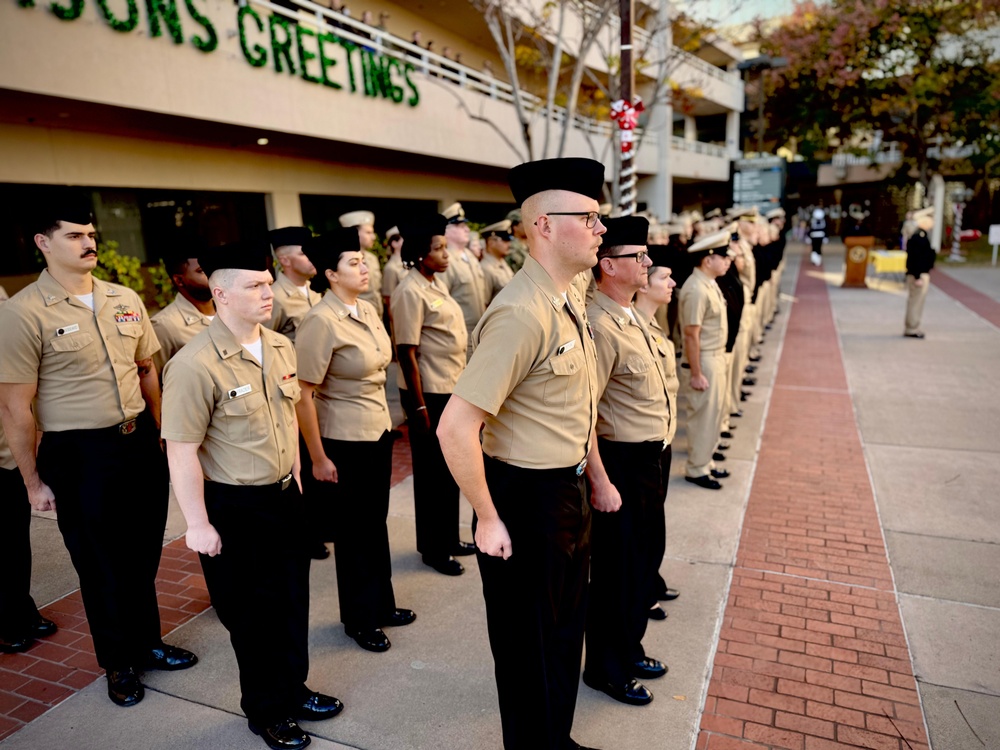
(532, 386)
(704, 373)
(633, 419)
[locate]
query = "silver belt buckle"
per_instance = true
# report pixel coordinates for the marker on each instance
(285, 481)
(580, 467)
(127, 427)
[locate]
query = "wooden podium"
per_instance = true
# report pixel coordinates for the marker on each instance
(856, 261)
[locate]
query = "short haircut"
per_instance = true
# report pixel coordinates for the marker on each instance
(604, 252)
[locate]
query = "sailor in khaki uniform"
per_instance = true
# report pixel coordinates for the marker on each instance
(531, 386)
(190, 312)
(431, 340)
(463, 279)
(623, 466)
(343, 351)
(292, 296)
(498, 274)
(705, 373)
(84, 347)
(394, 269)
(364, 221)
(649, 302)
(232, 442)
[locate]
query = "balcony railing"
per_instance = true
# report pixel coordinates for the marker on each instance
(731, 77)
(698, 147)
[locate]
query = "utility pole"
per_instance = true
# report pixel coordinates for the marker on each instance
(626, 179)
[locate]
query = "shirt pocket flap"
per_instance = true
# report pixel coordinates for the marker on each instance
(568, 363)
(636, 365)
(243, 405)
(132, 330)
(71, 343)
(291, 389)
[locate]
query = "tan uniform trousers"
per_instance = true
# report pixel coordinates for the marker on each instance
(741, 358)
(705, 410)
(915, 301)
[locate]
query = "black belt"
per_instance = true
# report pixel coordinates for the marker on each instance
(285, 481)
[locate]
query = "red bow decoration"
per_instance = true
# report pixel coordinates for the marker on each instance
(626, 116)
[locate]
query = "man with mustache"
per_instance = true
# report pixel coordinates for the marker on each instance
(85, 349)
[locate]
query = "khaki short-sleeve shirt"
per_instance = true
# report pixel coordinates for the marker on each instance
(534, 373)
(634, 406)
(81, 360)
(241, 412)
(175, 325)
(465, 282)
(664, 348)
(346, 358)
(374, 294)
(425, 316)
(702, 304)
(392, 274)
(497, 273)
(290, 306)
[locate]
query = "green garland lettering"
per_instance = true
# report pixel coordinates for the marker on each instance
(280, 49)
(26, 3)
(68, 14)
(324, 61)
(167, 9)
(124, 26)
(304, 57)
(349, 47)
(414, 99)
(212, 41)
(259, 59)
(395, 91)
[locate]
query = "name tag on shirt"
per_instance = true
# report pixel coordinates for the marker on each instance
(67, 329)
(241, 391)
(566, 347)
(437, 303)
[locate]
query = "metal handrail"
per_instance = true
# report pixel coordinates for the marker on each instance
(732, 77)
(698, 147)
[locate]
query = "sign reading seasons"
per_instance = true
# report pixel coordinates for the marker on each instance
(289, 46)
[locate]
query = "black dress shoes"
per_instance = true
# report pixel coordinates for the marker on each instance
(744, 395)
(718, 456)
(656, 613)
(750, 369)
(726, 434)
(724, 446)
(318, 551)
(370, 639)
(463, 549)
(754, 358)
(670, 594)
(319, 707)
(917, 335)
(170, 658)
(448, 566)
(736, 414)
(720, 473)
(124, 687)
(577, 746)
(649, 669)
(284, 735)
(400, 617)
(43, 627)
(632, 692)
(704, 481)
(749, 381)
(15, 645)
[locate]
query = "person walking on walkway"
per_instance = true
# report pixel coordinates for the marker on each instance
(343, 351)
(232, 443)
(624, 468)
(431, 340)
(82, 350)
(920, 257)
(531, 390)
(817, 235)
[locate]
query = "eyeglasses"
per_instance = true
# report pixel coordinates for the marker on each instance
(592, 216)
(639, 256)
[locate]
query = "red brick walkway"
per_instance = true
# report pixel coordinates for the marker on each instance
(56, 667)
(984, 306)
(812, 654)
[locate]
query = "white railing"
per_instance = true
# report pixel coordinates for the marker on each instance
(698, 147)
(731, 77)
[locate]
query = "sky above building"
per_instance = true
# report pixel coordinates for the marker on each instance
(735, 12)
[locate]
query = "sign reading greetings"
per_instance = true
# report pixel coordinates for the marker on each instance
(289, 47)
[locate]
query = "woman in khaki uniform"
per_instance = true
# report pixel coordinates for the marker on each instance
(431, 339)
(343, 352)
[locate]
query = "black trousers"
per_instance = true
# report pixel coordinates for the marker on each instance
(111, 494)
(536, 601)
(656, 539)
(259, 584)
(357, 507)
(817, 243)
(619, 570)
(435, 494)
(17, 609)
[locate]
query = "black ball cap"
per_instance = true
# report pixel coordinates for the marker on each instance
(573, 174)
(249, 255)
(625, 230)
(290, 236)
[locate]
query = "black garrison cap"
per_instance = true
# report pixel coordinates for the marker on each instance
(625, 230)
(574, 174)
(250, 255)
(290, 236)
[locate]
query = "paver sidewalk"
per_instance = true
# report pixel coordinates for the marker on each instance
(812, 654)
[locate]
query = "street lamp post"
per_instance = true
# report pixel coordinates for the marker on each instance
(761, 64)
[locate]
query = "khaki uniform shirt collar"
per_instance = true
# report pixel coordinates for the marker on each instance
(540, 277)
(189, 313)
(336, 304)
(53, 292)
(285, 285)
(227, 346)
(616, 311)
